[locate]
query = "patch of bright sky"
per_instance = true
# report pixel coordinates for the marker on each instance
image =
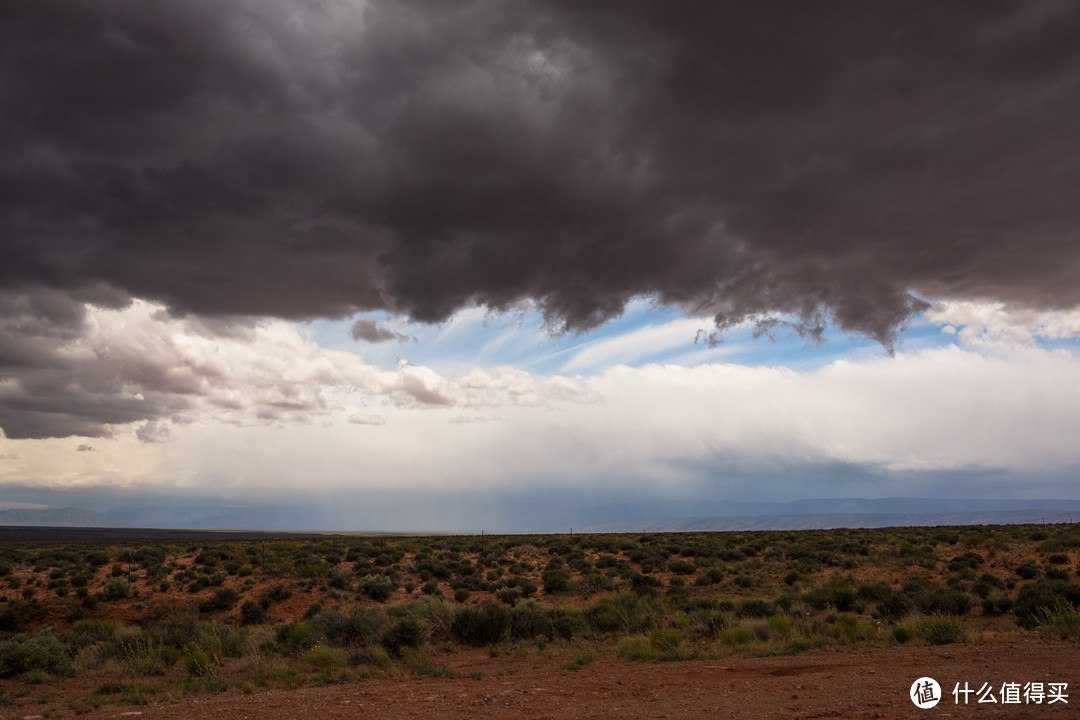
(644, 334)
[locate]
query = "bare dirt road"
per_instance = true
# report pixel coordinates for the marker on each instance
(848, 683)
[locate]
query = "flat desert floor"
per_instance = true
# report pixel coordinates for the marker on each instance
(857, 682)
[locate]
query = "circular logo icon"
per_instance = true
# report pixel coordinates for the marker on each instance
(925, 693)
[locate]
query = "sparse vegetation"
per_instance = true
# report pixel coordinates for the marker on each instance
(211, 615)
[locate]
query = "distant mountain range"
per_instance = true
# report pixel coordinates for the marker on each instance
(209, 518)
(825, 513)
(621, 517)
(838, 520)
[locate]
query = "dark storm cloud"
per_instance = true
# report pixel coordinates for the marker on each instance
(54, 385)
(153, 432)
(305, 159)
(368, 330)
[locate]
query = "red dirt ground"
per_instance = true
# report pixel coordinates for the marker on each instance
(860, 682)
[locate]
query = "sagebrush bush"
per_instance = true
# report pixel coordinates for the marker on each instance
(780, 625)
(486, 625)
(43, 652)
(637, 647)
(197, 663)
(840, 595)
(903, 634)
(944, 601)
(737, 635)
(1044, 593)
(941, 629)
(1061, 619)
(407, 632)
(363, 626)
(665, 640)
(224, 599)
(325, 658)
(377, 587)
(116, 589)
(294, 638)
(847, 629)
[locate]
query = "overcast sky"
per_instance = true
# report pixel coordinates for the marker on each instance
(285, 251)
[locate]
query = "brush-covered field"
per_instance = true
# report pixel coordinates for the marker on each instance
(102, 623)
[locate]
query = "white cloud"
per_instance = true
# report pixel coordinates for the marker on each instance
(140, 364)
(642, 343)
(468, 419)
(249, 392)
(994, 322)
(366, 419)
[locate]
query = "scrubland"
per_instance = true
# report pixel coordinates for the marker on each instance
(135, 622)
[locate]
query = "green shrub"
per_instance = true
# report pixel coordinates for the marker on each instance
(407, 632)
(555, 580)
(83, 633)
(338, 580)
(681, 567)
(377, 587)
(903, 634)
(780, 625)
(224, 599)
(487, 625)
(755, 608)
(325, 658)
(1061, 618)
(360, 627)
(637, 647)
(9, 620)
(944, 601)
(1028, 571)
(1044, 594)
(737, 635)
(840, 595)
(527, 586)
(508, 595)
(197, 664)
(116, 589)
(847, 629)
(665, 640)
(941, 629)
(252, 613)
(43, 652)
(278, 593)
(294, 638)
(142, 652)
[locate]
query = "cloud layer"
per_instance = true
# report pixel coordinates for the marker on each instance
(985, 423)
(299, 159)
(98, 368)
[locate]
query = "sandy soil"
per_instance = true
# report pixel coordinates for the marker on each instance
(849, 683)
